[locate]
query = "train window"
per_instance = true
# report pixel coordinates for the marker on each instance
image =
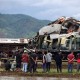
(54, 43)
(73, 43)
(78, 43)
(48, 37)
(67, 43)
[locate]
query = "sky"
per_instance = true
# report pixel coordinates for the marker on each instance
(42, 9)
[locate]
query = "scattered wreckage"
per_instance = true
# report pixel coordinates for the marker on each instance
(60, 35)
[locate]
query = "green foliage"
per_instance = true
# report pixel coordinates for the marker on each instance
(19, 26)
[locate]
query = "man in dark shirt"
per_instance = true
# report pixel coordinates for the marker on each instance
(7, 65)
(18, 61)
(33, 62)
(58, 60)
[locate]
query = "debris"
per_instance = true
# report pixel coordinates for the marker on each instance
(61, 26)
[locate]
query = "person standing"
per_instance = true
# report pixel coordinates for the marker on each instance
(70, 58)
(78, 62)
(33, 61)
(7, 65)
(18, 61)
(48, 61)
(58, 59)
(44, 61)
(13, 65)
(25, 61)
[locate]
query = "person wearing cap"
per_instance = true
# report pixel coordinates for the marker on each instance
(24, 61)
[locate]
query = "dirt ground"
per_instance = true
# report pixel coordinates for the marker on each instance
(60, 75)
(53, 72)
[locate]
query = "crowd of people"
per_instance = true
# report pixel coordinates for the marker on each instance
(27, 62)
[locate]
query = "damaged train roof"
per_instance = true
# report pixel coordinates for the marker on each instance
(62, 25)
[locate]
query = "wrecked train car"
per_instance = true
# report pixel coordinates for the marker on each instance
(60, 42)
(60, 35)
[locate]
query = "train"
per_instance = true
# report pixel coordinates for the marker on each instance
(60, 35)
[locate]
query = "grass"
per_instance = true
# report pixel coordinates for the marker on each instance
(52, 73)
(55, 71)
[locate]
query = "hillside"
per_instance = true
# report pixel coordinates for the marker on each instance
(19, 25)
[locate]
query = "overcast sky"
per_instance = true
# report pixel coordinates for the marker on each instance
(42, 9)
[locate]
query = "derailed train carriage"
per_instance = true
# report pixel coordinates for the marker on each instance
(60, 35)
(59, 42)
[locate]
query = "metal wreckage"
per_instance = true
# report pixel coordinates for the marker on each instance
(62, 34)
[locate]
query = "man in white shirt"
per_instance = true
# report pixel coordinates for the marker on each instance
(48, 60)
